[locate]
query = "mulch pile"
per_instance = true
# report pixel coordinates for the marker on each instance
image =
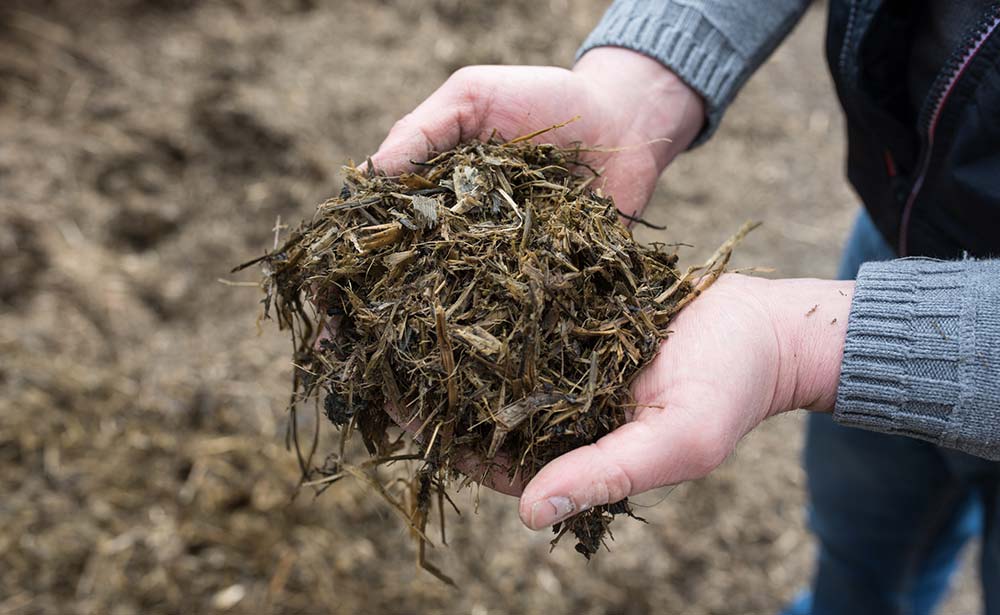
(493, 305)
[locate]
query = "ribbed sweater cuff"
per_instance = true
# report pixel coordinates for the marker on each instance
(921, 355)
(686, 43)
(714, 47)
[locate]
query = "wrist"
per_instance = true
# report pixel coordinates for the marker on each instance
(649, 100)
(810, 322)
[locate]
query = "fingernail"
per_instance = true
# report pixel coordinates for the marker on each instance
(553, 510)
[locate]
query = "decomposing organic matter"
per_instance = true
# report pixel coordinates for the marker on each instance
(493, 305)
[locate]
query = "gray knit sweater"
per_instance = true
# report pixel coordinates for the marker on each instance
(922, 356)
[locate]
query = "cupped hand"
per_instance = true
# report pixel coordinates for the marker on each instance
(627, 104)
(745, 350)
(630, 106)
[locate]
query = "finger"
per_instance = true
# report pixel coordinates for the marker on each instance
(663, 446)
(449, 116)
(494, 473)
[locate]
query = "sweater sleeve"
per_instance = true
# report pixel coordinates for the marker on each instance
(713, 46)
(922, 356)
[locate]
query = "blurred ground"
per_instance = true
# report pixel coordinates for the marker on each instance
(147, 146)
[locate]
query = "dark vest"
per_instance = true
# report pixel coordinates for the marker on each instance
(930, 175)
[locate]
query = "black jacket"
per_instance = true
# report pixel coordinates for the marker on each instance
(930, 177)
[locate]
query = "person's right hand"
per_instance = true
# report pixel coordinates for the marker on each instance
(626, 102)
(746, 349)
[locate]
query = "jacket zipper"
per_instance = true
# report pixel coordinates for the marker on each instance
(935, 102)
(848, 38)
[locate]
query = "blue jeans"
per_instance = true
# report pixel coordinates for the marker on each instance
(891, 513)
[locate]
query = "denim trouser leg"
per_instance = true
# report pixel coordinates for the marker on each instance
(990, 564)
(890, 517)
(891, 513)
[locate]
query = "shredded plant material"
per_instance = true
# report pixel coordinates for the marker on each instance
(493, 305)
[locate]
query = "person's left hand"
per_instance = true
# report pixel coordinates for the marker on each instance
(746, 349)
(637, 113)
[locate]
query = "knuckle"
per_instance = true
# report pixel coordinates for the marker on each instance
(617, 484)
(403, 123)
(468, 84)
(614, 482)
(466, 74)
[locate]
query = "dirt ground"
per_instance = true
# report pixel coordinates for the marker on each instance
(146, 146)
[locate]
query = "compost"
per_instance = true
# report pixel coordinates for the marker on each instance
(492, 305)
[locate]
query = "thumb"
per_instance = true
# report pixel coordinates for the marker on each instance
(449, 116)
(662, 446)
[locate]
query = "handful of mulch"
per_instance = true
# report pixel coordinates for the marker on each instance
(494, 305)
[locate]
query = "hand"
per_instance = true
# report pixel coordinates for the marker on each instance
(624, 100)
(745, 350)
